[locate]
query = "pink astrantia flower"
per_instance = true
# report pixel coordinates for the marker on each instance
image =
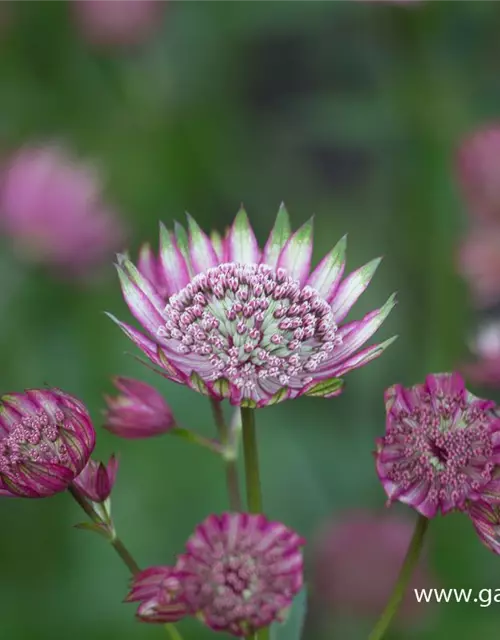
(158, 589)
(478, 171)
(479, 264)
(96, 481)
(118, 22)
(241, 572)
(357, 558)
(441, 445)
(139, 412)
(51, 209)
(46, 438)
(486, 520)
(486, 369)
(255, 326)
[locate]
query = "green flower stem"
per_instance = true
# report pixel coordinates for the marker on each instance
(232, 480)
(173, 632)
(118, 546)
(254, 495)
(252, 475)
(410, 561)
(116, 543)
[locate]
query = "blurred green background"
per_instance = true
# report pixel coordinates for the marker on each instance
(346, 110)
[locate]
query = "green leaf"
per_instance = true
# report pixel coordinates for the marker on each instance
(292, 627)
(325, 388)
(94, 527)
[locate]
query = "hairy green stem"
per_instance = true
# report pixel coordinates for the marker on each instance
(232, 480)
(410, 561)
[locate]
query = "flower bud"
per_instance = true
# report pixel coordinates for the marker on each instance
(96, 481)
(139, 412)
(46, 438)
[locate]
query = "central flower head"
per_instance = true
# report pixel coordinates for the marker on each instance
(441, 445)
(241, 572)
(249, 324)
(232, 321)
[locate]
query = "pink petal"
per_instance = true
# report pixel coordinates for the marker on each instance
(201, 250)
(277, 239)
(351, 288)
(241, 242)
(327, 275)
(295, 256)
(172, 264)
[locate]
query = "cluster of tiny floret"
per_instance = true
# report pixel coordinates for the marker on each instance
(36, 438)
(250, 322)
(445, 442)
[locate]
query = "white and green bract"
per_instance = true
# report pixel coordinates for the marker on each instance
(254, 326)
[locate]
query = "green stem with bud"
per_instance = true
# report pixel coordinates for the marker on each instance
(253, 486)
(409, 563)
(117, 545)
(232, 480)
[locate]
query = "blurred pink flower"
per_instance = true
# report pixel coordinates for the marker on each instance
(51, 209)
(357, 558)
(478, 172)
(117, 22)
(479, 264)
(486, 346)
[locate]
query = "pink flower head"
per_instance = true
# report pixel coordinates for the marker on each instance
(158, 589)
(479, 264)
(51, 208)
(440, 447)
(241, 572)
(96, 481)
(478, 170)
(233, 321)
(486, 520)
(118, 22)
(357, 559)
(139, 412)
(486, 369)
(46, 438)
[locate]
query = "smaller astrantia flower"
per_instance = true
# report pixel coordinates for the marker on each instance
(241, 572)
(158, 589)
(254, 326)
(96, 481)
(486, 520)
(441, 445)
(46, 438)
(478, 171)
(139, 412)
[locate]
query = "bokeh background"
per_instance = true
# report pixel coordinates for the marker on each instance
(350, 111)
